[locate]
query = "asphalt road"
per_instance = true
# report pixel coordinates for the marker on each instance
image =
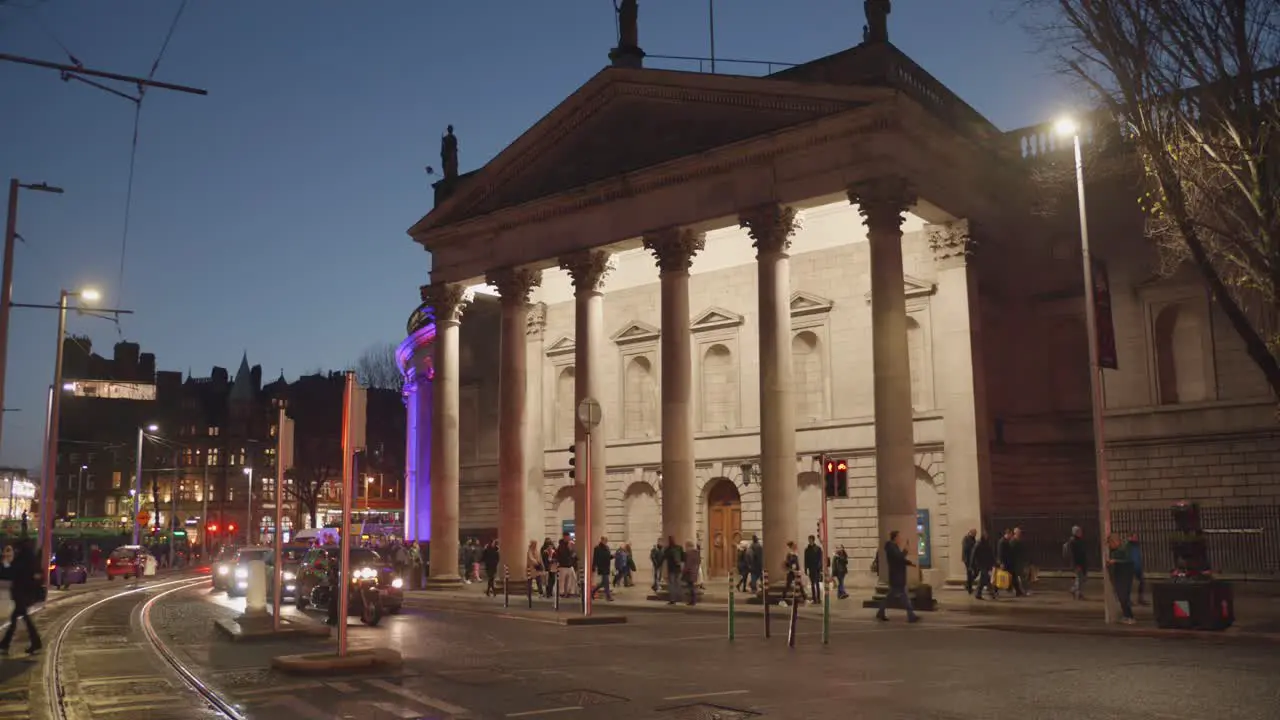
(677, 667)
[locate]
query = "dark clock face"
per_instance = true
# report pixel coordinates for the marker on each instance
(420, 318)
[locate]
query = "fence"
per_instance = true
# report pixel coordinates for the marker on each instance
(1242, 541)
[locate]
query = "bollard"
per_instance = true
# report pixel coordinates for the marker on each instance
(795, 613)
(528, 584)
(826, 611)
(506, 583)
(555, 593)
(732, 587)
(764, 585)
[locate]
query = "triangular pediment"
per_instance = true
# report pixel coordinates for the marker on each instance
(563, 346)
(914, 288)
(715, 318)
(625, 120)
(636, 332)
(803, 303)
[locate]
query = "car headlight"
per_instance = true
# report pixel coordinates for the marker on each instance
(365, 574)
(222, 569)
(242, 573)
(289, 576)
(397, 583)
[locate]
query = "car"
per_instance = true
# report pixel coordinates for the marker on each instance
(314, 571)
(127, 561)
(239, 583)
(75, 574)
(290, 558)
(222, 566)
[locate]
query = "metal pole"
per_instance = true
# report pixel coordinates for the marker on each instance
(528, 584)
(173, 508)
(79, 491)
(711, 27)
(76, 69)
(137, 486)
(248, 510)
(204, 512)
(764, 587)
(279, 539)
(506, 585)
(795, 612)
(6, 289)
(588, 584)
(1096, 388)
(732, 586)
(348, 479)
(51, 452)
(822, 570)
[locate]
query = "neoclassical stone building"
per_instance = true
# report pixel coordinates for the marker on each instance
(746, 272)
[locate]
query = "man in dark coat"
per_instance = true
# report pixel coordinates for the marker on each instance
(966, 552)
(601, 560)
(813, 568)
(25, 579)
(896, 557)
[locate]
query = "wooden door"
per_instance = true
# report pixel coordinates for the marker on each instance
(724, 525)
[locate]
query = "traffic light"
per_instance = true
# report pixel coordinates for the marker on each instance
(231, 528)
(213, 528)
(842, 478)
(573, 461)
(829, 477)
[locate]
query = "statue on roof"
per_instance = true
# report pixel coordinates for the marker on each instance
(628, 23)
(877, 28)
(449, 154)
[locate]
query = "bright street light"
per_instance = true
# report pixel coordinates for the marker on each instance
(1066, 126)
(153, 428)
(90, 295)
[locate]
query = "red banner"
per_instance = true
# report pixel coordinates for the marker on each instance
(1105, 328)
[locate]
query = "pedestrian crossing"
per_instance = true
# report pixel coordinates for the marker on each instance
(364, 698)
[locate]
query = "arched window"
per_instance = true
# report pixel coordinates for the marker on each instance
(639, 399)
(919, 362)
(1179, 355)
(565, 406)
(719, 390)
(810, 378)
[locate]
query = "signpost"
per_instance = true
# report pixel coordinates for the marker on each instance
(284, 462)
(353, 409)
(589, 416)
(143, 518)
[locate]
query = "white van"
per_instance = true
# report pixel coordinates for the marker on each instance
(320, 536)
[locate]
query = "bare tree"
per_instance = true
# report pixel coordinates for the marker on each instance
(315, 404)
(1194, 88)
(377, 367)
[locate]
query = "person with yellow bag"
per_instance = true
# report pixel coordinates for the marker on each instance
(982, 561)
(1006, 575)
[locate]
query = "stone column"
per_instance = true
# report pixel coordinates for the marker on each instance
(771, 227)
(417, 496)
(882, 203)
(535, 444)
(956, 314)
(674, 249)
(588, 269)
(447, 301)
(514, 285)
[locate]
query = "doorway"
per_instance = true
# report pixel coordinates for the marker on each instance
(724, 527)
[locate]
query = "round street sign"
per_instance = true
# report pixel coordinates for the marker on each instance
(144, 517)
(590, 413)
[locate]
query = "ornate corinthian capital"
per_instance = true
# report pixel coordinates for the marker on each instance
(536, 319)
(770, 227)
(674, 248)
(447, 300)
(952, 243)
(588, 268)
(881, 201)
(515, 283)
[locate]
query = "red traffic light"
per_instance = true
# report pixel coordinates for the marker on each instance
(231, 527)
(831, 466)
(213, 527)
(842, 465)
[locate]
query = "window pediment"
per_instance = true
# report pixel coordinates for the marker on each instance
(636, 332)
(803, 303)
(914, 288)
(715, 318)
(563, 346)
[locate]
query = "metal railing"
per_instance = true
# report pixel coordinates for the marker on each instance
(723, 66)
(1242, 541)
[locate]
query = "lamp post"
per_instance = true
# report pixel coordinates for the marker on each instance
(136, 491)
(6, 281)
(248, 513)
(80, 492)
(1069, 127)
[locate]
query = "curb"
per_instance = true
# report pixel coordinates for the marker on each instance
(332, 664)
(1226, 637)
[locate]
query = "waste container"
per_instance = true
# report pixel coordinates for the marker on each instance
(1193, 604)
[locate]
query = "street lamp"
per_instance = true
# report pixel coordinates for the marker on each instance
(1069, 127)
(51, 449)
(80, 491)
(6, 281)
(136, 491)
(248, 513)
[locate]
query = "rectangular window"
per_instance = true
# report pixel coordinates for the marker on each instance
(213, 457)
(213, 431)
(115, 481)
(88, 482)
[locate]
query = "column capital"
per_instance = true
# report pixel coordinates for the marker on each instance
(447, 301)
(952, 243)
(770, 227)
(674, 248)
(536, 319)
(881, 201)
(514, 283)
(587, 268)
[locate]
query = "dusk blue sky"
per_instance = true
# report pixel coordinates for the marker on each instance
(270, 216)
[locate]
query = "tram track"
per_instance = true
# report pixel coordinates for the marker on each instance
(105, 674)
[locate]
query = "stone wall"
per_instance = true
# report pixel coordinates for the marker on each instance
(1241, 470)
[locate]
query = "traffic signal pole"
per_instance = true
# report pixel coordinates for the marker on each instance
(826, 553)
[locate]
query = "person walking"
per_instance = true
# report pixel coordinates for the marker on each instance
(25, 583)
(966, 554)
(1120, 565)
(983, 560)
(744, 565)
(692, 570)
(840, 568)
(601, 565)
(1075, 553)
(813, 568)
(896, 557)
(757, 562)
(673, 556)
(1135, 557)
(490, 558)
(656, 556)
(533, 560)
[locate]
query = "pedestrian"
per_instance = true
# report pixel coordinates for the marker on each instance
(490, 558)
(692, 569)
(547, 557)
(898, 562)
(656, 559)
(966, 553)
(983, 560)
(1135, 557)
(840, 568)
(601, 565)
(813, 568)
(674, 558)
(622, 567)
(757, 562)
(791, 565)
(25, 583)
(744, 565)
(534, 560)
(1006, 560)
(416, 564)
(1077, 557)
(1120, 565)
(335, 587)
(1022, 568)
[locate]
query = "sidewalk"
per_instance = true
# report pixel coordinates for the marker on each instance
(1047, 610)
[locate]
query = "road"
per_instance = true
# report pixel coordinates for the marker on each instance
(678, 666)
